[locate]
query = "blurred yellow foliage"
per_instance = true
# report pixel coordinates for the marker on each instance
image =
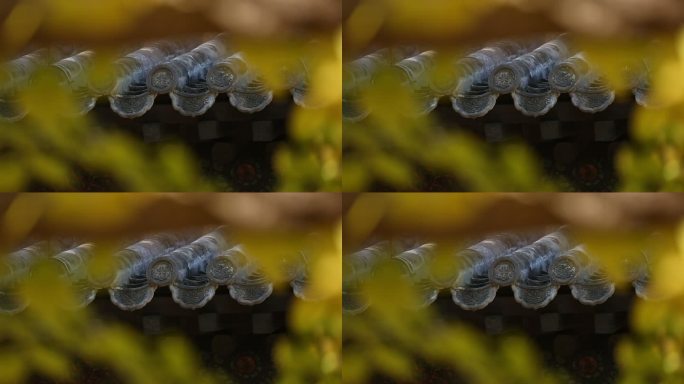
(51, 335)
(390, 149)
(311, 161)
(52, 147)
(395, 143)
(393, 335)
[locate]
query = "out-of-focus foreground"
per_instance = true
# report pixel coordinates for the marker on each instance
(226, 288)
(63, 59)
(482, 288)
(420, 78)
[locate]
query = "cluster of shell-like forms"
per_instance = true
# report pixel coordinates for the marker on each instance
(534, 265)
(192, 267)
(534, 74)
(192, 75)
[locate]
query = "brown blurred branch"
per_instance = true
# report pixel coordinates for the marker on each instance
(454, 216)
(245, 18)
(604, 19)
(121, 215)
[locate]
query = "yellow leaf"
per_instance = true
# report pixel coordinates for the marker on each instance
(14, 369)
(51, 363)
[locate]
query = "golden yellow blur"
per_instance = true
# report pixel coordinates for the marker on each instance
(52, 334)
(391, 337)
